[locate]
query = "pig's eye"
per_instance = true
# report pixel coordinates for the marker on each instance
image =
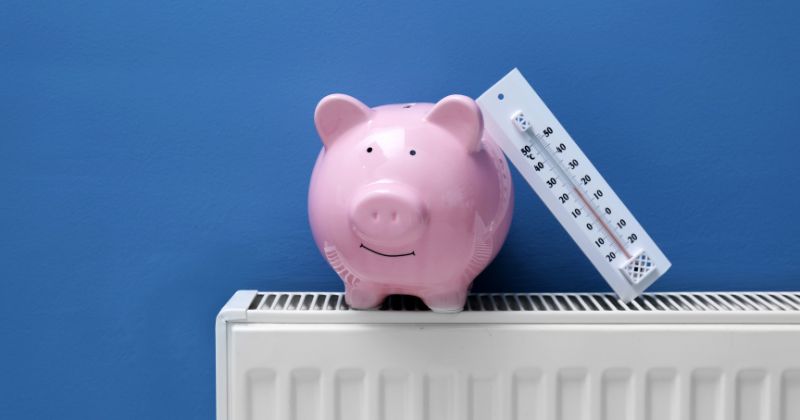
(412, 152)
(369, 150)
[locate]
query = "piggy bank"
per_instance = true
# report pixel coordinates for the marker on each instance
(409, 199)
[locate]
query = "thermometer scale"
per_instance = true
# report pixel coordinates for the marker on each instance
(570, 186)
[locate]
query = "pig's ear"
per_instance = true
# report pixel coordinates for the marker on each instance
(336, 114)
(460, 116)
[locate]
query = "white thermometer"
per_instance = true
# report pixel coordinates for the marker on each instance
(570, 186)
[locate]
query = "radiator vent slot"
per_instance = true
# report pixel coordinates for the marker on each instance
(550, 302)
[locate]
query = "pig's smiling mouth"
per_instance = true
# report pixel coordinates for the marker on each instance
(386, 255)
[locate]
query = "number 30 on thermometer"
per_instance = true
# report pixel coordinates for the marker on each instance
(570, 186)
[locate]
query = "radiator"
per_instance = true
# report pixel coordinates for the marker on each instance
(708, 356)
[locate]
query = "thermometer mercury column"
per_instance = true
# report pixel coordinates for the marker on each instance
(525, 126)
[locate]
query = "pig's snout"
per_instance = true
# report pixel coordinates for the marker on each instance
(389, 215)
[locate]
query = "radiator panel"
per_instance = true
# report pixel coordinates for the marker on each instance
(519, 372)
(320, 369)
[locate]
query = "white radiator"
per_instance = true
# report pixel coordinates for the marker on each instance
(708, 356)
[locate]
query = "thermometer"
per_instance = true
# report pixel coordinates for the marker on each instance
(571, 187)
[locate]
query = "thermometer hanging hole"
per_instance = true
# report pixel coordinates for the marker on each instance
(501, 96)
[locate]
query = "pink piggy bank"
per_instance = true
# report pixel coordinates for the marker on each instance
(408, 199)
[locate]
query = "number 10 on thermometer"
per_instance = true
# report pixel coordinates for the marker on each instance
(570, 186)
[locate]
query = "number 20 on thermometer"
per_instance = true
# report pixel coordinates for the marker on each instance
(570, 186)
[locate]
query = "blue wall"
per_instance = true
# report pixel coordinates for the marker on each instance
(154, 157)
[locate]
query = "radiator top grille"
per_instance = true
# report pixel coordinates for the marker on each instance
(550, 302)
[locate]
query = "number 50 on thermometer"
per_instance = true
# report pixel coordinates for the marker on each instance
(571, 187)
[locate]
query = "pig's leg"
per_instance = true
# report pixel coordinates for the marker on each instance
(448, 301)
(363, 296)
